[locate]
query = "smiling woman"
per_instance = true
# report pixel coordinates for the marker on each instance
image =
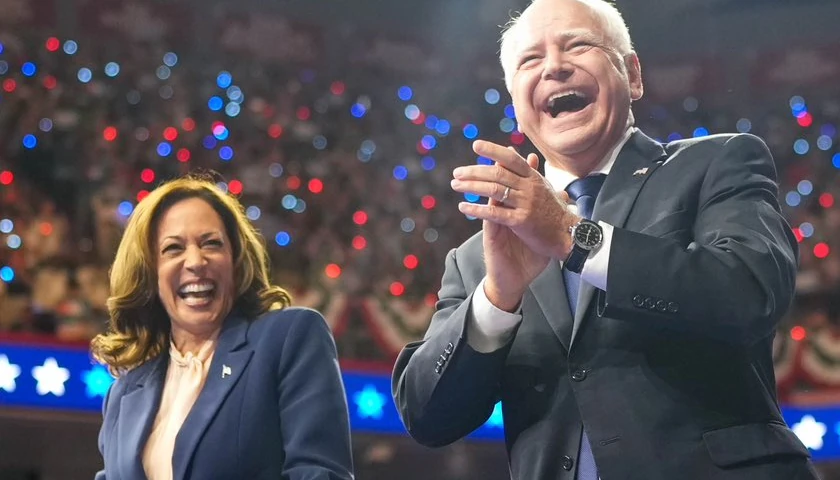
(250, 388)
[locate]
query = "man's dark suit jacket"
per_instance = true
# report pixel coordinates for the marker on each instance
(670, 368)
(278, 411)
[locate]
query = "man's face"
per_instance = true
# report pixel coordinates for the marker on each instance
(571, 87)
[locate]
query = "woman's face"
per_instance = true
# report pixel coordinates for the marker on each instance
(194, 266)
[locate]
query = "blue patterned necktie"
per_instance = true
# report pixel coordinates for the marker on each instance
(583, 192)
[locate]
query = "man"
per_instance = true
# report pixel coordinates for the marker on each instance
(638, 346)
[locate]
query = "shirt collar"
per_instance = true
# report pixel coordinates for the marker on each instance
(560, 179)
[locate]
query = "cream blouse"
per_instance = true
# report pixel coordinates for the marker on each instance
(185, 378)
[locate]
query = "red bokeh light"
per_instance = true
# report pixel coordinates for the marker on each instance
(188, 124)
(431, 299)
(147, 175)
(420, 120)
(293, 182)
(826, 200)
(821, 250)
(805, 120)
(421, 149)
(316, 186)
(428, 202)
(359, 242)
(170, 134)
(360, 217)
(798, 333)
(110, 134)
(235, 187)
(216, 125)
(6, 177)
(397, 289)
(46, 228)
(410, 262)
(50, 82)
(303, 113)
(9, 85)
(797, 232)
(333, 270)
(184, 155)
(142, 194)
(53, 44)
(337, 87)
(275, 130)
(517, 138)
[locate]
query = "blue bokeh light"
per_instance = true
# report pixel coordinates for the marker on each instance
(164, 149)
(112, 69)
(442, 128)
(71, 47)
(793, 199)
(404, 93)
(412, 112)
(170, 59)
(470, 131)
(289, 201)
(209, 142)
(226, 153)
(491, 96)
(400, 172)
(428, 142)
(805, 187)
(6, 225)
(253, 213)
(510, 112)
(215, 103)
(224, 79)
(28, 69)
(84, 75)
(801, 146)
(428, 163)
(358, 110)
(7, 274)
(700, 132)
(125, 208)
(283, 239)
(30, 141)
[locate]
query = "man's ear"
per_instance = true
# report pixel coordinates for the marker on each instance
(634, 76)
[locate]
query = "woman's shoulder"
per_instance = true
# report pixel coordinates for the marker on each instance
(290, 321)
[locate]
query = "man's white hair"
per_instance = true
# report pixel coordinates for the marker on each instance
(615, 27)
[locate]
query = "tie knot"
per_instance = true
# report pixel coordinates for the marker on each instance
(586, 186)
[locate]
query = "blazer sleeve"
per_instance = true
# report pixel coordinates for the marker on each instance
(104, 430)
(314, 418)
(735, 279)
(443, 389)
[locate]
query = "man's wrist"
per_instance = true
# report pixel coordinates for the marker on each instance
(506, 301)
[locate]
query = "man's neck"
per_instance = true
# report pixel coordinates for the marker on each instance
(561, 177)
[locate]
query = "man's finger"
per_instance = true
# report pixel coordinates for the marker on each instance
(504, 156)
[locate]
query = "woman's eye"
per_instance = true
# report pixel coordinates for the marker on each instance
(171, 248)
(213, 243)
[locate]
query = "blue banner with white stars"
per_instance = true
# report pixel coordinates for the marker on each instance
(68, 379)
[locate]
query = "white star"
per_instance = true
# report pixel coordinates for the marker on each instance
(50, 378)
(8, 373)
(810, 432)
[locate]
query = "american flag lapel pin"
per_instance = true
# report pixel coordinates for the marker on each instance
(641, 171)
(225, 371)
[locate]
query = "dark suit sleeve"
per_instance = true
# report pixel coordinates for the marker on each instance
(735, 280)
(313, 407)
(443, 388)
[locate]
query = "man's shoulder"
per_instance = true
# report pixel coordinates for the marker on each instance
(713, 142)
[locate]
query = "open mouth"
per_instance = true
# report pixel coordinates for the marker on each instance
(568, 102)
(197, 293)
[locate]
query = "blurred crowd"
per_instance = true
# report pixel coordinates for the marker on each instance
(345, 173)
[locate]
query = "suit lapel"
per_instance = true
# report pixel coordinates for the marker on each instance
(229, 361)
(637, 162)
(137, 414)
(551, 298)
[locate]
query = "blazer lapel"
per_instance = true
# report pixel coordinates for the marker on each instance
(229, 361)
(137, 414)
(639, 158)
(550, 297)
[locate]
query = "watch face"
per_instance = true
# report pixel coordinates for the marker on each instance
(588, 235)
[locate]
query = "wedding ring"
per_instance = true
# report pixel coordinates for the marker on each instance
(505, 195)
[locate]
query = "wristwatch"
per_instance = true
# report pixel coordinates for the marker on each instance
(586, 236)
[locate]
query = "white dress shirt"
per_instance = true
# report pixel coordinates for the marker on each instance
(488, 327)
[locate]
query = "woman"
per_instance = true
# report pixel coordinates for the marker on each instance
(217, 377)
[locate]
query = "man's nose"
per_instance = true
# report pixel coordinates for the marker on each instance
(556, 66)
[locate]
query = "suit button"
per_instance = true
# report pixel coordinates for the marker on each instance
(448, 349)
(438, 369)
(661, 305)
(638, 301)
(673, 307)
(650, 303)
(567, 462)
(579, 375)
